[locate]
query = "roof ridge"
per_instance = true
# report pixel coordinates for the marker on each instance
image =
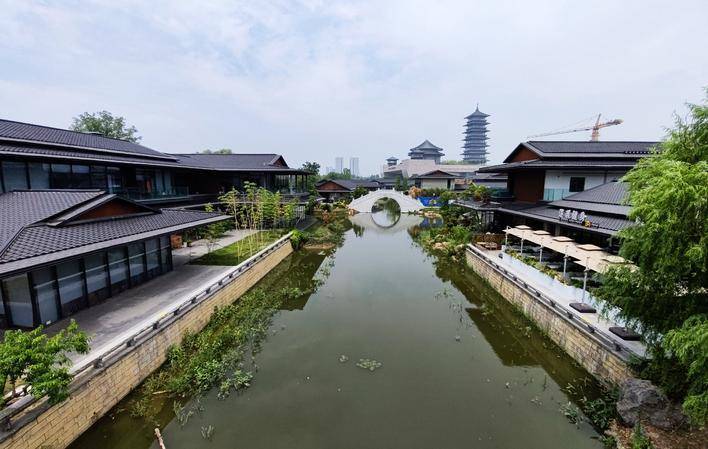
(68, 130)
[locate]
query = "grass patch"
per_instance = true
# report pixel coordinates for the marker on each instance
(239, 251)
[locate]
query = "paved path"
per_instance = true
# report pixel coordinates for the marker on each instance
(562, 294)
(123, 314)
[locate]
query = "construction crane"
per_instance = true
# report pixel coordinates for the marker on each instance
(594, 128)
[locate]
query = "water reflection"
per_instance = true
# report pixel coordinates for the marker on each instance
(386, 212)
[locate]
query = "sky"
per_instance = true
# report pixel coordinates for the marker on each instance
(313, 80)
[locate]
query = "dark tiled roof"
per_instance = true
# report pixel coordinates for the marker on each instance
(62, 137)
(608, 193)
(426, 145)
(614, 147)
(39, 240)
(578, 163)
(30, 232)
(22, 208)
(601, 223)
(436, 174)
(609, 198)
(477, 113)
(234, 161)
(351, 184)
(73, 154)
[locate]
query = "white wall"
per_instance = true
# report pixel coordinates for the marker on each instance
(434, 183)
(557, 182)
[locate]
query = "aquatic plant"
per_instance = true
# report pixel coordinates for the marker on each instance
(207, 432)
(369, 364)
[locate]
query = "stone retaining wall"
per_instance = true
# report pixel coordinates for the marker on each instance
(597, 358)
(57, 426)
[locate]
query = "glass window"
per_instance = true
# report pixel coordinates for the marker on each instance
(15, 175)
(117, 265)
(95, 273)
(98, 177)
(577, 184)
(159, 182)
(39, 175)
(19, 301)
(168, 182)
(45, 289)
(71, 284)
(165, 253)
(115, 179)
(80, 177)
(136, 251)
(61, 176)
(145, 179)
(152, 254)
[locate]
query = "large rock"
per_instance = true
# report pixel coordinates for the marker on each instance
(641, 398)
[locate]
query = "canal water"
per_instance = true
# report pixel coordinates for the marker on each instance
(458, 366)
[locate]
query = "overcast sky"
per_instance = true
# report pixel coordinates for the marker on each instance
(314, 80)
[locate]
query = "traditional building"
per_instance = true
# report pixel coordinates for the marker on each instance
(336, 189)
(85, 216)
(426, 151)
(36, 157)
(474, 149)
(64, 250)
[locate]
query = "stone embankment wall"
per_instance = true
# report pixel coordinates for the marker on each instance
(57, 426)
(581, 344)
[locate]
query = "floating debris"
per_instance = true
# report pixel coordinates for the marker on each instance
(369, 364)
(506, 385)
(457, 338)
(343, 358)
(207, 432)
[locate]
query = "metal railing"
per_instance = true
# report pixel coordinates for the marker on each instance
(622, 351)
(84, 371)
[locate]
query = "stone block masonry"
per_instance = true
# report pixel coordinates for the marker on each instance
(582, 345)
(57, 426)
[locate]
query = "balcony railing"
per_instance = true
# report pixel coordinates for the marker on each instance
(137, 194)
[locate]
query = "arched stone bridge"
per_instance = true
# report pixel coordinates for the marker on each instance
(364, 203)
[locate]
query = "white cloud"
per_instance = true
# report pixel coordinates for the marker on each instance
(315, 79)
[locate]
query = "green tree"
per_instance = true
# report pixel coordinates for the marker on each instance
(107, 124)
(313, 168)
(359, 191)
(668, 289)
(41, 361)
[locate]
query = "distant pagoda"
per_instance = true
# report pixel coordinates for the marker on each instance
(474, 150)
(426, 150)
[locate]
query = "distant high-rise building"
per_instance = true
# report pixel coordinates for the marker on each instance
(426, 150)
(339, 164)
(329, 170)
(354, 166)
(474, 149)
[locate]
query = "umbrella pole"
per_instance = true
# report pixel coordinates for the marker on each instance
(522, 247)
(585, 283)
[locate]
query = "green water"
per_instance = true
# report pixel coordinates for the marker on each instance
(460, 368)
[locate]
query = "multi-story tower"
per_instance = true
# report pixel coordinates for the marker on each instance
(354, 166)
(339, 164)
(474, 149)
(426, 150)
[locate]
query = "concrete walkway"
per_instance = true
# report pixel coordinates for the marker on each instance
(564, 295)
(120, 316)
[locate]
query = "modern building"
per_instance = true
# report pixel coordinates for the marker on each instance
(354, 166)
(85, 216)
(64, 250)
(36, 157)
(339, 164)
(551, 170)
(426, 151)
(572, 189)
(474, 148)
(336, 189)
